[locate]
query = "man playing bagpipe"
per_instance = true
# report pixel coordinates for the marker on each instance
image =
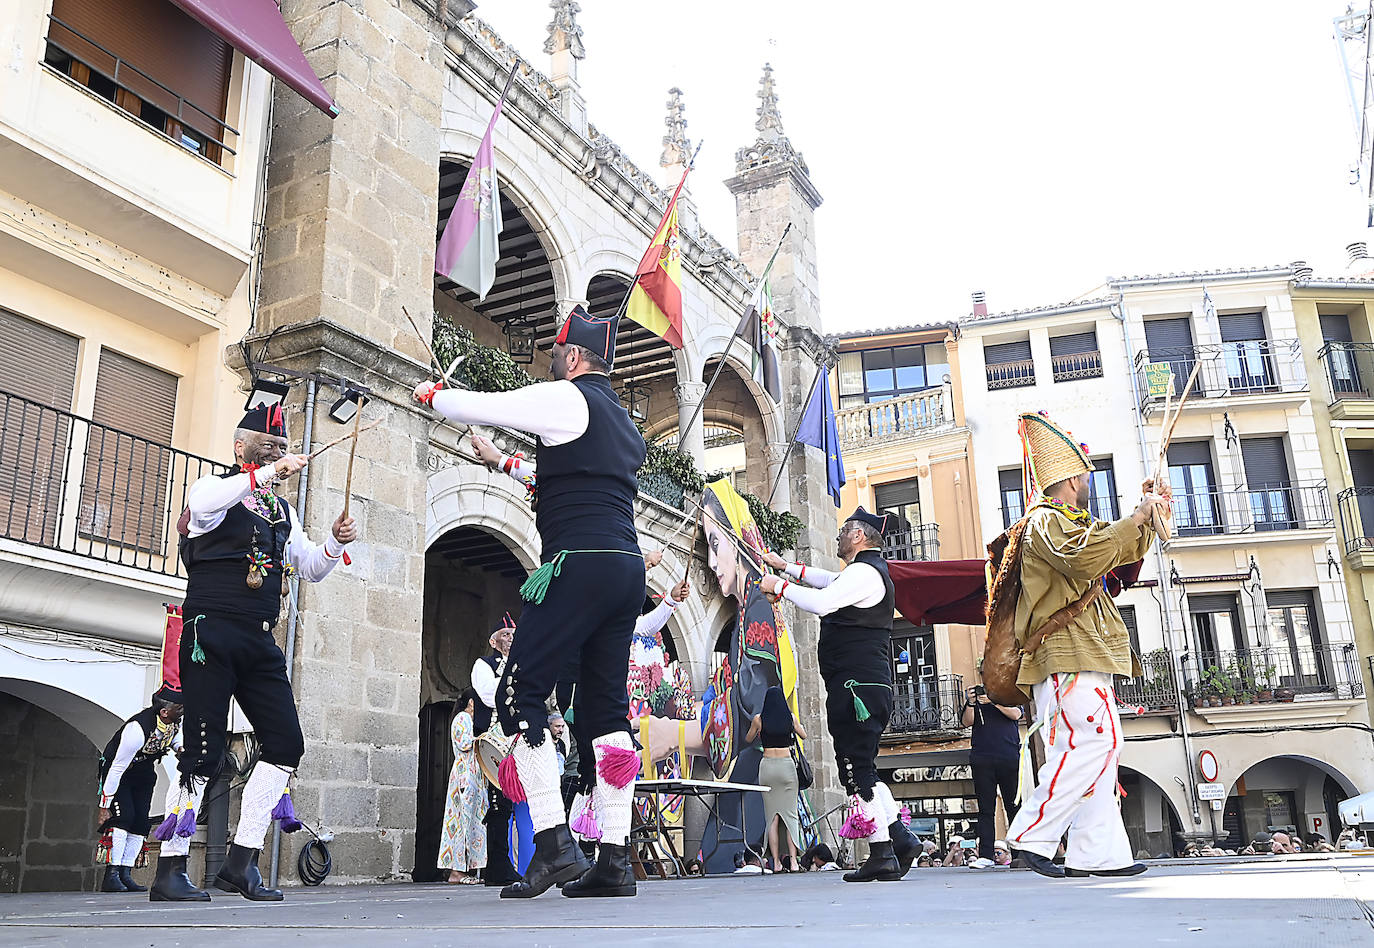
(583, 600)
(856, 608)
(240, 540)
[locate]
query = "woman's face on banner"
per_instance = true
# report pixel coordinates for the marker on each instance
(722, 557)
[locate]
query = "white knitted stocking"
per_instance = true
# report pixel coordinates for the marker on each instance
(264, 788)
(538, 770)
(612, 802)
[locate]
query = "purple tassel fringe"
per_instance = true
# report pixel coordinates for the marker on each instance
(858, 826)
(186, 826)
(284, 810)
(585, 825)
(509, 779)
(618, 766)
(166, 829)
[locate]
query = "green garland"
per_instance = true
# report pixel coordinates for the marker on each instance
(666, 474)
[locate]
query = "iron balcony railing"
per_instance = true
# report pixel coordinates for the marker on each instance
(1349, 368)
(1076, 365)
(907, 416)
(927, 704)
(1356, 506)
(917, 543)
(1274, 672)
(1155, 689)
(1254, 367)
(1252, 510)
(71, 484)
(108, 75)
(1017, 374)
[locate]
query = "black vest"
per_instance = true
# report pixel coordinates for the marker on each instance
(481, 714)
(587, 487)
(217, 562)
(856, 642)
(153, 748)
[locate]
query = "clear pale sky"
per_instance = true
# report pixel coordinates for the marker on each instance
(1028, 150)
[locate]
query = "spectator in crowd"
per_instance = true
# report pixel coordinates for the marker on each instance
(1350, 838)
(1283, 844)
(749, 864)
(463, 843)
(1316, 843)
(778, 727)
(1001, 855)
(820, 858)
(955, 856)
(995, 758)
(923, 861)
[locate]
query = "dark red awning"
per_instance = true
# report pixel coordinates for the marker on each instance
(256, 29)
(956, 590)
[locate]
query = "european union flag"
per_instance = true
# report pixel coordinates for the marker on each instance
(817, 429)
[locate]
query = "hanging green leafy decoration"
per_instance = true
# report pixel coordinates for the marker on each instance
(666, 474)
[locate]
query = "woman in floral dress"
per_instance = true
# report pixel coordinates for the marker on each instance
(463, 846)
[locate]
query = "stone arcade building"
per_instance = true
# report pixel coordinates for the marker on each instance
(351, 209)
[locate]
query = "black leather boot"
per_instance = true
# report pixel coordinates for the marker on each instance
(611, 876)
(881, 865)
(584, 858)
(905, 846)
(1046, 867)
(129, 884)
(240, 874)
(111, 882)
(556, 859)
(172, 884)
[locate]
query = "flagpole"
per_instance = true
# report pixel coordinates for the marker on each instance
(782, 466)
(701, 405)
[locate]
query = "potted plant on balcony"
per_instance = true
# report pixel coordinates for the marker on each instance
(1284, 694)
(1212, 680)
(1266, 683)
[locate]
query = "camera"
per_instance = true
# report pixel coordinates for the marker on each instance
(979, 690)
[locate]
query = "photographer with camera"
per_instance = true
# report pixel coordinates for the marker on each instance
(995, 758)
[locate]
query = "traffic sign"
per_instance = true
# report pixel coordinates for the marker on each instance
(1207, 766)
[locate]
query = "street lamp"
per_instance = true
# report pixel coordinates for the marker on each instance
(520, 332)
(265, 392)
(637, 400)
(347, 406)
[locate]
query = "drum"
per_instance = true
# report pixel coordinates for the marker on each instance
(492, 748)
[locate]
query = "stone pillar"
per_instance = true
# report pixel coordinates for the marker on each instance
(772, 188)
(564, 46)
(351, 206)
(691, 441)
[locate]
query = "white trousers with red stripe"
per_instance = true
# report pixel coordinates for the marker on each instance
(1076, 788)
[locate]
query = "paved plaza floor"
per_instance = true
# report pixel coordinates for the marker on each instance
(1265, 902)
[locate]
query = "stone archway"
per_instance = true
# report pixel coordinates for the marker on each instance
(1152, 820)
(1296, 791)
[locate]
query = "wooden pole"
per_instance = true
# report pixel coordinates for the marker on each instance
(342, 438)
(1161, 524)
(352, 450)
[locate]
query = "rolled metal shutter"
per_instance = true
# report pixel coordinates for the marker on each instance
(1336, 328)
(1241, 327)
(1073, 344)
(1004, 352)
(1167, 336)
(1265, 463)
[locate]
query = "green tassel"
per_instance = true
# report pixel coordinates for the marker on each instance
(198, 653)
(860, 709)
(537, 585)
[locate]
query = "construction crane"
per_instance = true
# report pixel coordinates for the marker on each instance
(1351, 32)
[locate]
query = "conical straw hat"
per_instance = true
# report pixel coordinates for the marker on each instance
(1052, 454)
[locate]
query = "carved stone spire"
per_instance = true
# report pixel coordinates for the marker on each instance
(564, 33)
(772, 145)
(676, 148)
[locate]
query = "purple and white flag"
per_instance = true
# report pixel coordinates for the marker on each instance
(468, 249)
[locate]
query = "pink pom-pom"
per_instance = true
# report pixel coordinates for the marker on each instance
(285, 809)
(509, 778)
(186, 826)
(858, 826)
(618, 766)
(585, 824)
(166, 829)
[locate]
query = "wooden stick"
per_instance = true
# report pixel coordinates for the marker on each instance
(342, 438)
(434, 359)
(352, 450)
(1160, 524)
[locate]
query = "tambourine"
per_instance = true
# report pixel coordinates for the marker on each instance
(492, 748)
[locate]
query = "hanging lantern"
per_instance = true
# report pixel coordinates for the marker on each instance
(635, 397)
(520, 331)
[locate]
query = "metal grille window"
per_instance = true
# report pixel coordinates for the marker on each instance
(1075, 356)
(129, 455)
(38, 365)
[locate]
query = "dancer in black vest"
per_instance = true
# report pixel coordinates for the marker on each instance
(486, 673)
(128, 775)
(856, 607)
(584, 599)
(239, 538)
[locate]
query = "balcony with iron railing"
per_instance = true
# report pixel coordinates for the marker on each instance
(1274, 673)
(1154, 689)
(1076, 365)
(1226, 370)
(76, 486)
(1016, 374)
(896, 419)
(920, 542)
(1255, 511)
(1349, 370)
(926, 705)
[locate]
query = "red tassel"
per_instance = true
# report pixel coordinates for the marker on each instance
(618, 766)
(509, 778)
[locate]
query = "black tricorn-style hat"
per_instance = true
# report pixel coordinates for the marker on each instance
(589, 332)
(267, 419)
(876, 521)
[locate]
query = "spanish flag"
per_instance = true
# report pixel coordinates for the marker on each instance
(656, 300)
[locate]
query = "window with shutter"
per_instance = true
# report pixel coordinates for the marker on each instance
(1341, 358)
(1102, 499)
(125, 490)
(150, 59)
(1075, 356)
(1013, 496)
(1128, 619)
(1246, 352)
(1197, 508)
(1269, 488)
(1171, 341)
(37, 379)
(902, 500)
(1009, 364)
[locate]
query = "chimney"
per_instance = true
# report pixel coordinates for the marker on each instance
(1301, 271)
(980, 302)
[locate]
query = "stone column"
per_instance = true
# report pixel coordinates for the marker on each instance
(564, 47)
(691, 441)
(351, 206)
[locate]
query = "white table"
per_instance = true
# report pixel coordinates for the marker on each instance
(708, 791)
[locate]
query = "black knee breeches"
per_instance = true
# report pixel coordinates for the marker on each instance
(856, 742)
